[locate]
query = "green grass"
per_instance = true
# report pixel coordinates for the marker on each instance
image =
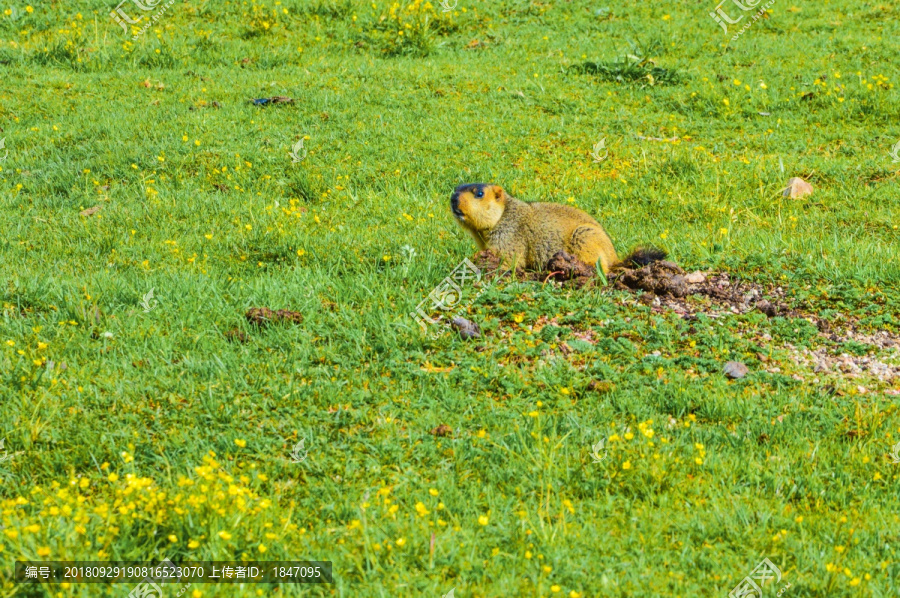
(203, 205)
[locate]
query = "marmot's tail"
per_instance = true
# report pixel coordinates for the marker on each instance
(643, 256)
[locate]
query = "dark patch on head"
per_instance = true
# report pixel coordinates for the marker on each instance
(473, 187)
(454, 199)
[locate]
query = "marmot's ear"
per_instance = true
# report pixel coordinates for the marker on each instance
(499, 193)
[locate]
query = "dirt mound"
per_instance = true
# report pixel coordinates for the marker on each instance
(660, 278)
(663, 283)
(667, 284)
(562, 267)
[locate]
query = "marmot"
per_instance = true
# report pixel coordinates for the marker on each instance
(532, 233)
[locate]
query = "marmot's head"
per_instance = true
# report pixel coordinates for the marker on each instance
(478, 206)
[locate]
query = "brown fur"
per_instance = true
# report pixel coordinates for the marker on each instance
(530, 233)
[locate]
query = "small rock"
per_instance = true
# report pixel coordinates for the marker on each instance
(466, 329)
(442, 430)
(797, 187)
(735, 370)
(695, 277)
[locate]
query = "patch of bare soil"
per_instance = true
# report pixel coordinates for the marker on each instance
(666, 284)
(669, 287)
(263, 316)
(663, 284)
(492, 266)
(821, 361)
(881, 361)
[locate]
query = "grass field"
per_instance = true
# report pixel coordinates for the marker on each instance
(143, 426)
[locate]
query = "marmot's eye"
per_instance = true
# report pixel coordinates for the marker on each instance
(479, 194)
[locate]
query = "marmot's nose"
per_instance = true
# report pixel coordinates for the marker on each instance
(454, 205)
